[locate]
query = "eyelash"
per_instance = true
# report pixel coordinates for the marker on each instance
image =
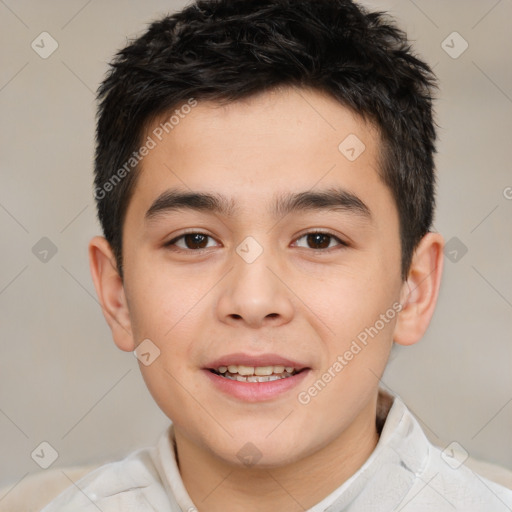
(172, 242)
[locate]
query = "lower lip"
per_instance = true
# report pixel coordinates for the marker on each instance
(256, 391)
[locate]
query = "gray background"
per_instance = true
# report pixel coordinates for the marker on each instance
(62, 380)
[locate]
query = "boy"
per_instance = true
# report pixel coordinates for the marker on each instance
(265, 182)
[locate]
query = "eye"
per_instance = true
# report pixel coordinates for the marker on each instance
(197, 241)
(321, 239)
(192, 241)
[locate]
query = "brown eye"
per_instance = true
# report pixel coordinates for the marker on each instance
(192, 241)
(319, 240)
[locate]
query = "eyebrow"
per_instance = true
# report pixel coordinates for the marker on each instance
(332, 199)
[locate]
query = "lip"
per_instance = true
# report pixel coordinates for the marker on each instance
(256, 391)
(256, 360)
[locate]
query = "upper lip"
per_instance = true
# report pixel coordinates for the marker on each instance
(256, 360)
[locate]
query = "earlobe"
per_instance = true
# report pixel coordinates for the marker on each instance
(420, 290)
(111, 294)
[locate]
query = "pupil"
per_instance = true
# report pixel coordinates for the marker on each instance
(195, 239)
(314, 239)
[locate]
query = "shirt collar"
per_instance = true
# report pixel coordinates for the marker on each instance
(386, 476)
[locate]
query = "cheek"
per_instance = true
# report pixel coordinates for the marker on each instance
(163, 305)
(350, 301)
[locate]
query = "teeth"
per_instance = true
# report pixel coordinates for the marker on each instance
(264, 370)
(260, 371)
(245, 370)
(255, 378)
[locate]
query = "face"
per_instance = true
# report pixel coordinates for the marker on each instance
(306, 290)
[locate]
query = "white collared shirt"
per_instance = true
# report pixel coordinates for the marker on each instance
(404, 473)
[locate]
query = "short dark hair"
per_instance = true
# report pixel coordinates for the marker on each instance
(226, 50)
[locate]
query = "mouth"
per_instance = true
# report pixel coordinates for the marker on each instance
(242, 373)
(255, 378)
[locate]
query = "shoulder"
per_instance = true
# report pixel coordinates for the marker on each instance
(440, 479)
(129, 484)
(449, 480)
(449, 475)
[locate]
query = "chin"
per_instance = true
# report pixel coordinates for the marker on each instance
(259, 450)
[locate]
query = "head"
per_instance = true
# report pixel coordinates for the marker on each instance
(258, 126)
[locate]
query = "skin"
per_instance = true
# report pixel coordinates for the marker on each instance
(293, 300)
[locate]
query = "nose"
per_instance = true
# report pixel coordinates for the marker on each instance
(255, 292)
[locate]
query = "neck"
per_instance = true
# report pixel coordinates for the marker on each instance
(214, 484)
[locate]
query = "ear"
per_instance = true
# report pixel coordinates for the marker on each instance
(110, 290)
(420, 291)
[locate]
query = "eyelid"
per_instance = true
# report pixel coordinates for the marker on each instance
(342, 242)
(174, 239)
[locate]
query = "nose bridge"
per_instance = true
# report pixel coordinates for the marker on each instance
(254, 292)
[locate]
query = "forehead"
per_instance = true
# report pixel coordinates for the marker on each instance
(279, 141)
